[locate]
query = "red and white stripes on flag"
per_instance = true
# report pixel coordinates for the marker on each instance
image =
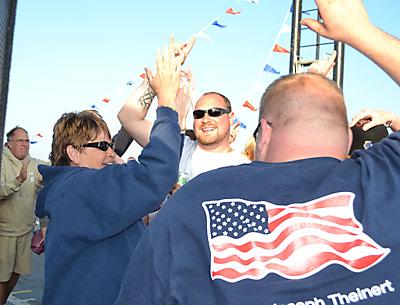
(300, 239)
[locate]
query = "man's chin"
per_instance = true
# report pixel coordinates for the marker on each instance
(21, 156)
(206, 140)
(210, 143)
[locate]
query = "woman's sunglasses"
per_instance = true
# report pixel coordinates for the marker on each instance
(213, 112)
(102, 145)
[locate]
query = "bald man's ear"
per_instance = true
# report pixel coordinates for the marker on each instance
(73, 154)
(350, 140)
(263, 140)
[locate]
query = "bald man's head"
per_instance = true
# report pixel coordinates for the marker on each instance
(307, 101)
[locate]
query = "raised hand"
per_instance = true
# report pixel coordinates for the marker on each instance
(184, 97)
(347, 21)
(342, 20)
(166, 82)
(369, 118)
(182, 50)
(323, 66)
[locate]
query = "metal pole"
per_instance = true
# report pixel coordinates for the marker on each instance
(317, 40)
(7, 22)
(295, 37)
(338, 69)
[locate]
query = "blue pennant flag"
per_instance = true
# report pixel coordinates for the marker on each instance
(218, 25)
(240, 123)
(268, 68)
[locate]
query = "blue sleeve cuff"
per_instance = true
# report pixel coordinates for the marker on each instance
(167, 113)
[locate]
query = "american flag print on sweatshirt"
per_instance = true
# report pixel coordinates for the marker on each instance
(249, 240)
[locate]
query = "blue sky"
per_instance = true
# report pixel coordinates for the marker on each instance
(68, 55)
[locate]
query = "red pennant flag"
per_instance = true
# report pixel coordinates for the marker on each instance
(142, 75)
(250, 106)
(232, 12)
(279, 49)
(106, 100)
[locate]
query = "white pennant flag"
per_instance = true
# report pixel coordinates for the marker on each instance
(286, 28)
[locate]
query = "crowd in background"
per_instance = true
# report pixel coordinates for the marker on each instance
(162, 229)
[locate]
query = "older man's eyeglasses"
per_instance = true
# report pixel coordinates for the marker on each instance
(102, 145)
(20, 141)
(255, 133)
(213, 112)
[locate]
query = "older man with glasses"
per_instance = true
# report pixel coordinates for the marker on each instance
(20, 181)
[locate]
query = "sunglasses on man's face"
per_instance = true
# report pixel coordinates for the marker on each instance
(102, 145)
(213, 112)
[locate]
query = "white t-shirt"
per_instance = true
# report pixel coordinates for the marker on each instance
(204, 161)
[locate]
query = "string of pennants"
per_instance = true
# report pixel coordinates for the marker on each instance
(217, 22)
(37, 138)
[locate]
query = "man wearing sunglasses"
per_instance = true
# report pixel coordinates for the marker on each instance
(20, 181)
(211, 124)
(303, 224)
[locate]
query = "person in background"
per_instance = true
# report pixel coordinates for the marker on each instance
(209, 148)
(20, 182)
(364, 139)
(250, 148)
(303, 224)
(121, 141)
(370, 126)
(95, 209)
(212, 128)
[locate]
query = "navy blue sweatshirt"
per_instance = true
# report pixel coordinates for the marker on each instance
(95, 217)
(316, 231)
